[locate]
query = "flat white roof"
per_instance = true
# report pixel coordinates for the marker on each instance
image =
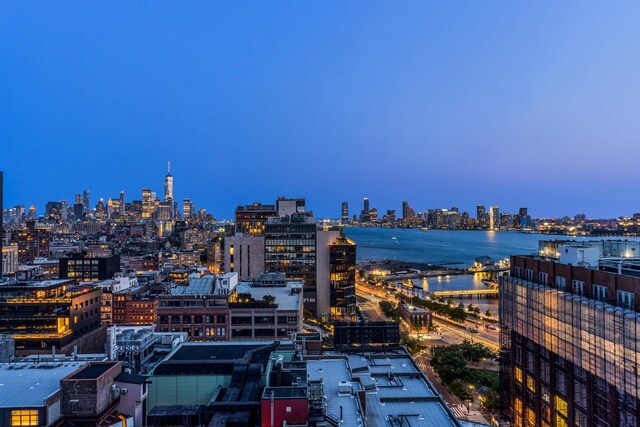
(25, 385)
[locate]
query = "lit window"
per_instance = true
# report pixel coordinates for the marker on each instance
(561, 406)
(531, 417)
(518, 374)
(517, 405)
(531, 384)
(24, 417)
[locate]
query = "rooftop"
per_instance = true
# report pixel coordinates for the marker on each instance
(93, 371)
(29, 384)
(286, 298)
(197, 286)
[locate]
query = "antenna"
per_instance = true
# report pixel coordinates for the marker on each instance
(169, 167)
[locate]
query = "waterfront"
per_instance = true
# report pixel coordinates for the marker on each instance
(443, 247)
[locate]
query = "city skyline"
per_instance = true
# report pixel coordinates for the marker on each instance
(430, 103)
(354, 207)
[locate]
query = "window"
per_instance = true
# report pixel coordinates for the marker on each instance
(73, 405)
(24, 417)
(599, 292)
(531, 383)
(531, 417)
(518, 374)
(561, 406)
(529, 273)
(578, 287)
(543, 277)
(626, 299)
(561, 282)
(517, 405)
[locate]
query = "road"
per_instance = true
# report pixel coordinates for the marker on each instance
(450, 332)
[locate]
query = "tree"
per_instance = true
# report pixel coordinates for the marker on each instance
(269, 299)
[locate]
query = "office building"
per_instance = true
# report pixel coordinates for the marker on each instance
(188, 209)
(481, 216)
(55, 313)
(570, 340)
(32, 243)
(494, 218)
(342, 256)
(122, 206)
(321, 305)
(148, 206)
(86, 204)
(168, 185)
(78, 208)
(88, 269)
(250, 220)
(244, 255)
(345, 213)
(290, 248)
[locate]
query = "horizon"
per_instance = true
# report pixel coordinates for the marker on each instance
(497, 104)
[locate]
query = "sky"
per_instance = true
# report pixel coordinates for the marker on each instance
(439, 103)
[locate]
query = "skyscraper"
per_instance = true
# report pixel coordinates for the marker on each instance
(366, 205)
(168, 185)
(78, 208)
(122, 206)
(345, 212)
(187, 209)
(494, 218)
(86, 207)
(481, 216)
(147, 203)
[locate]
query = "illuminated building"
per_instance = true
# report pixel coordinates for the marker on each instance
(86, 206)
(481, 216)
(342, 279)
(290, 248)
(570, 340)
(32, 243)
(88, 269)
(250, 220)
(122, 204)
(494, 218)
(41, 315)
(147, 204)
(78, 208)
(9, 259)
(168, 185)
(345, 212)
(364, 214)
(187, 209)
(32, 212)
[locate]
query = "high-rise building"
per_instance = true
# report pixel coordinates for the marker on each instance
(86, 206)
(407, 211)
(32, 213)
(32, 243)
(244, 255)
(345, 212)
(364, 214)
(53, 211)
(168, 185)
(122, 204)
(187, 209)
(494, 218)
(78, 208)
(290, 248)
(19, 214)
(250, 220)
(342, 254)
(481, 216)
(570, 341)
(147, 203)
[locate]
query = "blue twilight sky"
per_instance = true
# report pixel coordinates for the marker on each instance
(440, 103)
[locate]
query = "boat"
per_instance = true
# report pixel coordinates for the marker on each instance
(394, 238)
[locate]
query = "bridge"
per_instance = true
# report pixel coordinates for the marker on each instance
(470, 293)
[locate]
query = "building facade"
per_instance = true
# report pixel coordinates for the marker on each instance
(571, 342)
